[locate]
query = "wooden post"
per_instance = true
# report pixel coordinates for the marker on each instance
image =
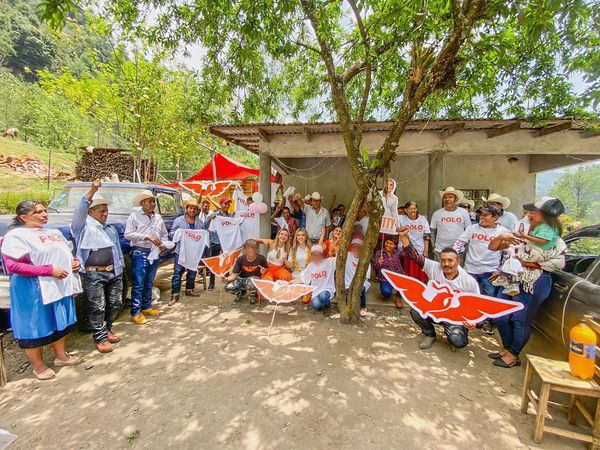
(526, 387)
(3, 376)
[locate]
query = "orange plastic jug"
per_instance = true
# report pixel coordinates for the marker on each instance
(582, 350)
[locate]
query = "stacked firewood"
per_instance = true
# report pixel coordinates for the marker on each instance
(103, 162)
(30, 165)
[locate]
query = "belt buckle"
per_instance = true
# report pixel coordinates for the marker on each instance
(110, 268)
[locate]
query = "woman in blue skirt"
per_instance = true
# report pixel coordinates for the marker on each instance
(43, 280)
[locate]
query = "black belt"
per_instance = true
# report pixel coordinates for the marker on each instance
(141, 249)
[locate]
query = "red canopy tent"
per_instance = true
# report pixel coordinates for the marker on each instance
(226, 169)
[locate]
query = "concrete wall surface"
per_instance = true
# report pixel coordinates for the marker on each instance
(331, 176)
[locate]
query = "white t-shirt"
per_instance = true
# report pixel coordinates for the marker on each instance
(228, 230)
(250, 225)
(191, 247)
(480, 259)
(301, 260)
(449, 226)
(509, 221)
(351, 263)
(240, 201)
(416, 229)
(322, 276)
(45, 247)
(462, 283)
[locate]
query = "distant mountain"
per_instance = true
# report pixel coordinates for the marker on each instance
(545, 181)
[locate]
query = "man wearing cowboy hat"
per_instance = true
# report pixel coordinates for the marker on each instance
(448, 222)
(215, 244)
(145, 229)
(101, 257)
(188, 221)
(469, 204)
(507, 219)
(317, 218)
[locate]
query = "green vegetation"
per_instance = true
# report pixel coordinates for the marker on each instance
(579, 189)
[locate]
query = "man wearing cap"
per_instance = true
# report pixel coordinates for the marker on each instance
(215, 244)
(145, 229)
(317, 218)
(101, 257)
(188, 221)
(446, 272)
(481, 262)
(507, 219)
(448, 222)
(320, 272)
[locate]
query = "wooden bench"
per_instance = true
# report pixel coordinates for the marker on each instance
(555, 376)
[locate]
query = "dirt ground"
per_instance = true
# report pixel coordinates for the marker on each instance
(205, 375)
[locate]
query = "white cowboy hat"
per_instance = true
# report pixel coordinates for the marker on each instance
(497, 198)
(450, 190)
(316, 196)
(145, 194)
(307, 197)
(469, 202)
(99, 200)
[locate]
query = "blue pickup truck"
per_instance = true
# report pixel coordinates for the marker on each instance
(60, 213)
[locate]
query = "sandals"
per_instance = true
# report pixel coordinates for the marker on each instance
(72, 361)
(47, 374)
(501, 363)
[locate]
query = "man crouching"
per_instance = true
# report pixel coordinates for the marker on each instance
(248, 265)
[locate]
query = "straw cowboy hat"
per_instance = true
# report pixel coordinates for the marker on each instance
(316, 196)
(188, 201)
(450, 190)
(144, 195)
(497, 198)
(469, 202)
(99, 200)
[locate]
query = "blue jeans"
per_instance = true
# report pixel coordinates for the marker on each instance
(457, 335)
(143, 281)
(178, 271)
(323, 300)
(515, 328)
(363, 297)
(485, 286)
(386, 289)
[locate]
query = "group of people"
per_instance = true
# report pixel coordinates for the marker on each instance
(488, 251)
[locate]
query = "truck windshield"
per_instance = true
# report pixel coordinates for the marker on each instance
(121, 198)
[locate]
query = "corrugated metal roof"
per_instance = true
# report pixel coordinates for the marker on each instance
(248, 135)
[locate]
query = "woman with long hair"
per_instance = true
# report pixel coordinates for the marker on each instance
(279, 249)
(43, 280)
(535, 280)
(390, 258)
(331, 247)
(419, 235)
(299, 256)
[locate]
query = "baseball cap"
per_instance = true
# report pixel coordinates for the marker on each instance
(551, 206)
(316, 249)
(489, 209)
(224, 200)
(529, 207)
(356, 241)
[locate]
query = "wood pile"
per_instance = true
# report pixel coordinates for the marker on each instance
(30, 165)
(105, 162)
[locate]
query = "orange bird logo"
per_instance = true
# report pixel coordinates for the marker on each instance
(206, 188)
(221, 264)
(281, 291)
(442, 304)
